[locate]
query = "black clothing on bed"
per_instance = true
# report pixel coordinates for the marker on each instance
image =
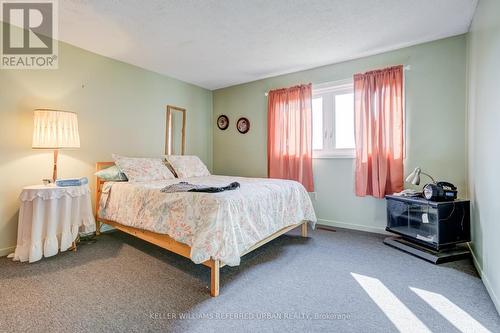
(186, 187)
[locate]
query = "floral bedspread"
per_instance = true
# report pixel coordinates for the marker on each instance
(215, 225)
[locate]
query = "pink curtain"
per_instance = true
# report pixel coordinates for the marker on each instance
(289, 142)
(378, 107)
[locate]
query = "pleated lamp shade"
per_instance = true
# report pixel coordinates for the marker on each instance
(54, 129)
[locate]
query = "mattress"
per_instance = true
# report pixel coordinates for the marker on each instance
(220, 226)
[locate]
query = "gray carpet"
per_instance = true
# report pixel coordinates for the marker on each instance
(120, 283)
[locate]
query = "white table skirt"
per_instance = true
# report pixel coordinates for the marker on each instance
(50, 219)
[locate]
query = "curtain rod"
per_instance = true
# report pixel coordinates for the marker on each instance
(405, 67)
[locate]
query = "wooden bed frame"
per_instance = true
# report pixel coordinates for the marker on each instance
(168, 243)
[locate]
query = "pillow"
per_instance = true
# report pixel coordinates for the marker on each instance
(186, 166)
(143, 169)
(113, 174)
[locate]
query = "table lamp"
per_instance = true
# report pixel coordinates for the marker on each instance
(414, 177)
(55, 129)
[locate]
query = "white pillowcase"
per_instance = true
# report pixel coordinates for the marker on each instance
(186, 166)
(143, 169)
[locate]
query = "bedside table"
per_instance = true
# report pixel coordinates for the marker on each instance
(434, 231)
(50, 218)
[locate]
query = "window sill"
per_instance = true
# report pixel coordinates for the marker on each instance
(349, 154)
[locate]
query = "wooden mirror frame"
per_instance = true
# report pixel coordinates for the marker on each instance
(168, 125)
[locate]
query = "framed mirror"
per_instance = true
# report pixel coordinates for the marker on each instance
(175, 138)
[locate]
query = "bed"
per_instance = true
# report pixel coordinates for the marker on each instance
(210, 229)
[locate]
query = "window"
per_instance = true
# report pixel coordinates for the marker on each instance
(333, 120)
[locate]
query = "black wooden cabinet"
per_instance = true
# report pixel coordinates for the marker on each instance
(435, 225)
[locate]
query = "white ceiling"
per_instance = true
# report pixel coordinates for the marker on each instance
(219, 43)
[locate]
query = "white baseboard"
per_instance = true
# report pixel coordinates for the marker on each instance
(6, 251)
(486, 281)
(353, 226)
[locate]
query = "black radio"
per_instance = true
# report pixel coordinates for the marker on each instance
(440, 191)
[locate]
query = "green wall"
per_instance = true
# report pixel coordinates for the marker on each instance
(435, 128)
(484, 138)
(121, 109)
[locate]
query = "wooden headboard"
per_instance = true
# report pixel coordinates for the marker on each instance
(98, 187)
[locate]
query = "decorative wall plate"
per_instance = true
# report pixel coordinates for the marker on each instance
(223, 122)
(243, 125)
